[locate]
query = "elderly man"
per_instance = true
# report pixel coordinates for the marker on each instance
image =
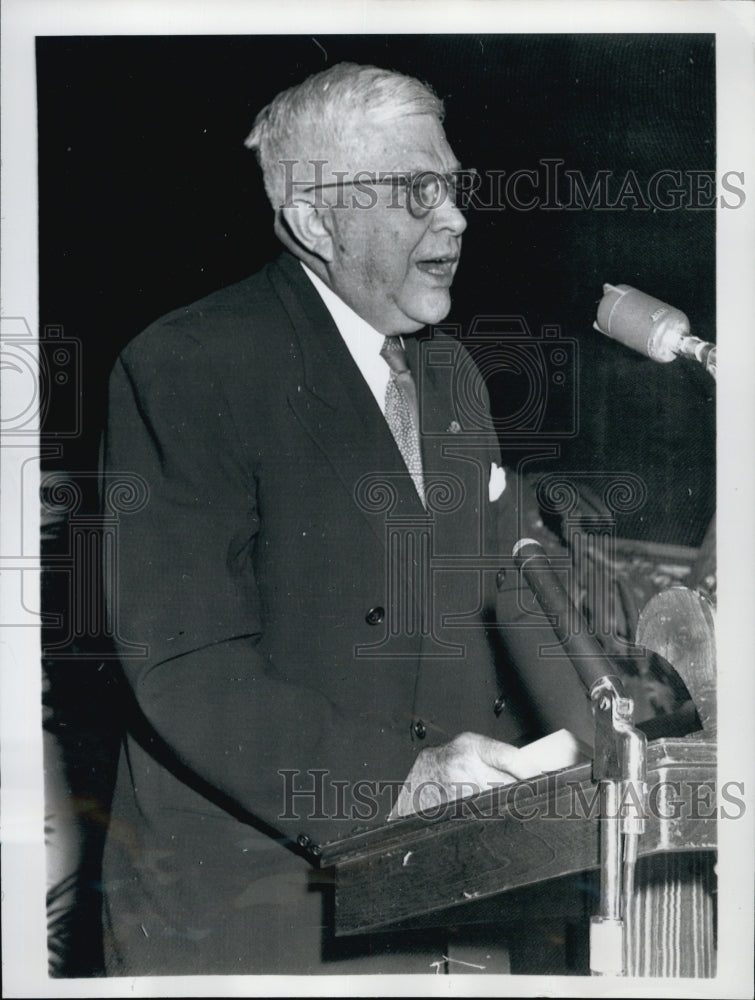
(310, 464)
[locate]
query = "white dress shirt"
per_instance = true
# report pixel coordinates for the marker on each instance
(363, 341)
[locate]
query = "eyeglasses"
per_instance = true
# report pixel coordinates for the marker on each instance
(426, 190)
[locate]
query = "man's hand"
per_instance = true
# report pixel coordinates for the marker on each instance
(466, 766)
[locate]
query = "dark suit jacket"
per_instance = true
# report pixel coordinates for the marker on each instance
(309, 626)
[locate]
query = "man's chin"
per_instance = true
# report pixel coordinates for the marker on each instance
(433, 309)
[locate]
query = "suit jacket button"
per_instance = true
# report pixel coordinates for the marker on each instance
(374, 616)
(303, 840)
(420, 729)
(500, 577)
(500, 704)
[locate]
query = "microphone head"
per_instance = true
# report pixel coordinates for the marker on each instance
(641, 322)
(525, 548)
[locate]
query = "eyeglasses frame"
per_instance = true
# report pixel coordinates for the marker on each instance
(412, 181)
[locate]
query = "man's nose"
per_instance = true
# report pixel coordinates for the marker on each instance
(448, 216)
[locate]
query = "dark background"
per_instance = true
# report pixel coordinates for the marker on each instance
(149, 200)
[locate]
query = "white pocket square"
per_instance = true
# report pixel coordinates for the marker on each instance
(497, 483)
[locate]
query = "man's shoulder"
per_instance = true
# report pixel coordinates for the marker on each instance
(228, 316)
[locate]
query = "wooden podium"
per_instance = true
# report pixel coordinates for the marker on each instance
(543, 828)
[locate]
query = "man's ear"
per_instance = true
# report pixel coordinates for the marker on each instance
(307, 225)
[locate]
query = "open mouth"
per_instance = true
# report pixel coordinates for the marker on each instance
(440, 267)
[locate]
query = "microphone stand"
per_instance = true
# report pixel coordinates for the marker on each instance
(620, 769)
(698, 350)
(619, 766)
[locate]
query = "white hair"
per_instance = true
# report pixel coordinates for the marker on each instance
(319, 115)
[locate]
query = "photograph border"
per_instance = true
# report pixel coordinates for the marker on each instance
(23, 863)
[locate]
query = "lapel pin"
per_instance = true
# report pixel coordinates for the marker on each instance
(453, 427)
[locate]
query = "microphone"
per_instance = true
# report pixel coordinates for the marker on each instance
(650, 326)
(589, 659)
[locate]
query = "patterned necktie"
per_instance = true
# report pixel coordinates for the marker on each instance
(402, 410)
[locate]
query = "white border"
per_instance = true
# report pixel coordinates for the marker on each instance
(733, 22)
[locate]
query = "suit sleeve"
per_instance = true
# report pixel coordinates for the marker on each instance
(186, 588)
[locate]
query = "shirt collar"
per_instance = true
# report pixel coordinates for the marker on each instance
(362, 340)
(348, 322)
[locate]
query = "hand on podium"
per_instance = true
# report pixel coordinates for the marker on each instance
(471, 764)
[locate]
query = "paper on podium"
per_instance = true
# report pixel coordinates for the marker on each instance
(555, 752)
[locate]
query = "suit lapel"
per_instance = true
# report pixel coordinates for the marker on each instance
(433, 404)
(336, 407)
(456, 451)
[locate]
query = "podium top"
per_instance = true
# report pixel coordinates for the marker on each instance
(516, 835)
